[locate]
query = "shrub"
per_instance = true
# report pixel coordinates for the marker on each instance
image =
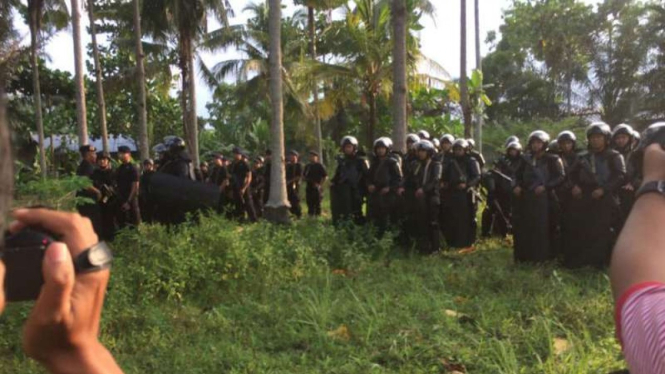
(159, 262)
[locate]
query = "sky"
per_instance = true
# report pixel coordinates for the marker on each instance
(439, 38)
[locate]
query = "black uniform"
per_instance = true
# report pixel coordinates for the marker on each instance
(179, 165)
(147, 204)
(499, 183)
(459, 228)
(347, 189)
(91, 209)
(381, 207)
(407, 207)
(478, 157)
(589, 227)
(239, 171)
(293, 175)
(126, 175)
(219, 176)
(104, 181)
(314, 175)
(627, 196)
(426, 175)
(534, 229)
(257, 187)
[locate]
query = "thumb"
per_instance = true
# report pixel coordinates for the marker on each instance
(54, 301)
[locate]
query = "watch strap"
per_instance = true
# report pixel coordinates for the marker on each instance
(97, 257)
(651, 187)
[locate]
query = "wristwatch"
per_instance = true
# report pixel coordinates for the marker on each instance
(98, 257)
(653, 186)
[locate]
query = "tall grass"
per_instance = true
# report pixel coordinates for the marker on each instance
(219, 298)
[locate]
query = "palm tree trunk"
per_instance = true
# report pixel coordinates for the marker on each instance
(140, 79)
(399, 76)
(479, 67)
(98, 79)
(464, 90)
(315, 91)
(81, 117)
(188, 95)
(37, 96)
(371, 129)
(277, 206)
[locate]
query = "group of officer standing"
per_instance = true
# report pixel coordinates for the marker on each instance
(561, 201)
(557, 201)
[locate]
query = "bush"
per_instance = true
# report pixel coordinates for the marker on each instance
(159, 262)
(57, 193)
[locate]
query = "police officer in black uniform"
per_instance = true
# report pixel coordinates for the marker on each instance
(86, 169)
(104, 180)
(315, 175)
(346, 186)
(383, 181)
(407, 192)
(258, 185)
(622, 142)
(570, 207)
(460, 177)
(219, 176)
(127, 181)
(475, 154)
(294, 172)
(534, 203)
(241, 178)
(425, 175)
(178, 162)
(499, 186)
(600, 174)
(146, 200)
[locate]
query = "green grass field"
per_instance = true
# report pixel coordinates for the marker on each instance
(217, 298)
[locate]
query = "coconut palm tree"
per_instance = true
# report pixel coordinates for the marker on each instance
(399, 75)
(464, 90)
(313, 6)
(52, 14)
(479, 67)
(252, 68)
(98, 77)
(140, 81)
(81, 115)
(186, 22)
(277, 206)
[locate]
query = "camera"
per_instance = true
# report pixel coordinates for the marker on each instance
(22, 254)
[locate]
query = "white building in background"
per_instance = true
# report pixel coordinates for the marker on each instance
(71, 142)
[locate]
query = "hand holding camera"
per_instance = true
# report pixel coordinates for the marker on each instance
(62, 329)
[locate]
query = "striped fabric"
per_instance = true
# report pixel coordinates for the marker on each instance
(640, 323)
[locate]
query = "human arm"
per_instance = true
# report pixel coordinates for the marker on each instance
(62, 330)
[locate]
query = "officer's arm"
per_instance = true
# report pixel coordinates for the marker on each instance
(433, 182)
(558, 175)
(89, 173)
(247, 182)
(395, 175)
(474, 173)
(519, 173)
(618, 173)
(640, 251)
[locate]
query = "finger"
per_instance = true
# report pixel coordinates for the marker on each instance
(54, 302)
(76, 231)
(51, 220)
